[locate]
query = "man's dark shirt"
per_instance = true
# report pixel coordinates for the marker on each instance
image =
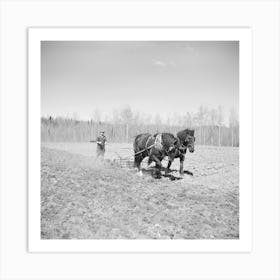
(101, 139)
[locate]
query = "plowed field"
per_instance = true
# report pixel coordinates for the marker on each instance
(82, 198)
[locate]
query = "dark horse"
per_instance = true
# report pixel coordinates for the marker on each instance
(187, 139)
(156, 147)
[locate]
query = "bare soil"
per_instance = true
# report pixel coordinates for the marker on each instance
(82, 198)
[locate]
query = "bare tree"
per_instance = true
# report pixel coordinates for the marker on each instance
(157, 120)
(233, 123)
(116, 116)
(126, 115)
(220, 111)
(188, 120)
(220, 115)
(75, 116)
(233, 118)
(97, 116)
(202, 115)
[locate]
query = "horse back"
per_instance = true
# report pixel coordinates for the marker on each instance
(140, 141)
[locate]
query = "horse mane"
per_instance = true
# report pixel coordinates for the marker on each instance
(164, 133)
(183, 134)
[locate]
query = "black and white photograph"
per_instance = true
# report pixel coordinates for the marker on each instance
(139, 140)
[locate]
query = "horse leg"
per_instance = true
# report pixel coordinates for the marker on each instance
(182, 158)
(150, 160)
(168, 166)
(137, 163)
(158, 166)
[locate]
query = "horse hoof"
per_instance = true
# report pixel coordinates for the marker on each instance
(157, 176)
(168, 171)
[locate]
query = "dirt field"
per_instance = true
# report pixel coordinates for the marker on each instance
(82, 198)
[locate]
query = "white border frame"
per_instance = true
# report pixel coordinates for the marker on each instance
(243, 35)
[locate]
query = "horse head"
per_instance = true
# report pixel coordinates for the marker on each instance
(187, 139)
(189, 143)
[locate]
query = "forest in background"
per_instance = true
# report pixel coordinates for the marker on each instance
(211, 126)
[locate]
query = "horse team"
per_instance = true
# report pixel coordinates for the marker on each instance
(162, 145)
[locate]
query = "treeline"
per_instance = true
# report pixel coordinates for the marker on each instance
(73, 130)
(211, 126)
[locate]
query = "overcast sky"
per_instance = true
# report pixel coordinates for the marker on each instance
(152, 77)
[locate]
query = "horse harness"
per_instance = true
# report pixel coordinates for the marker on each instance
(157, 143)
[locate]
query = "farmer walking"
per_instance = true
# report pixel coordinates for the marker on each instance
(101, 141)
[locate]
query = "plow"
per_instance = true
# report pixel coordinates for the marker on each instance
(127, 162)
(124, 162)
